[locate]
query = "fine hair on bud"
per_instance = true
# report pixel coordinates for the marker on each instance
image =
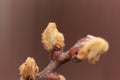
(52, 38)
(92, 49)
(29, 69)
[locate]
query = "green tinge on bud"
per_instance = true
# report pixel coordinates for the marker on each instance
(92, 49)
(51, 37)
(29, 69)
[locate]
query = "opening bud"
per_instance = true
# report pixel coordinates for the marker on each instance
(52, 38)
(92, 49)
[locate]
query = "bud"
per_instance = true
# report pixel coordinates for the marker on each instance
(29, 69)
(92, 49)
(52, 38)
(53, 76)
(61, 77)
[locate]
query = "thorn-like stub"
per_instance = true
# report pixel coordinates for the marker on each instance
(52, 38)
(92, 49)
(29, 69)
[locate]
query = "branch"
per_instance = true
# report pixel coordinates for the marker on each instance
(62, 58)
(88, 48)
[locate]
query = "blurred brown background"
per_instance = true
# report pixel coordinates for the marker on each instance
(22, 22)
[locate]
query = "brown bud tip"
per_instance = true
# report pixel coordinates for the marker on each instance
(92, 49)
(28, 69)
(51, 37)
(53, 76)
(55, 55)
(73, 51)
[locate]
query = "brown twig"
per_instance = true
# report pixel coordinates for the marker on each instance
(88, 48)
(63, 58)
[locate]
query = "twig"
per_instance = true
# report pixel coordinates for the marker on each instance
(88, 48)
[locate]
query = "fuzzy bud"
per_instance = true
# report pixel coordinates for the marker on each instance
(61, 77)
(29, 69)
(92, 49)
(52, 38)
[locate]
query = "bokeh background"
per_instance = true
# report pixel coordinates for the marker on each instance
(23, 21)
